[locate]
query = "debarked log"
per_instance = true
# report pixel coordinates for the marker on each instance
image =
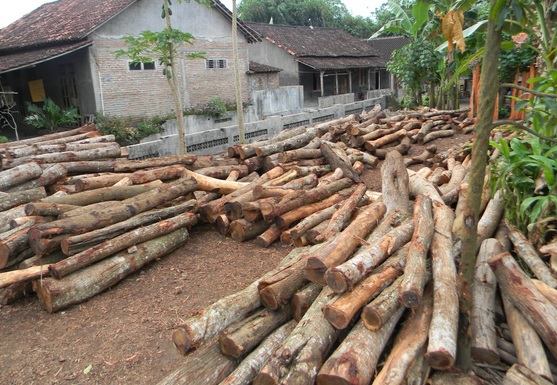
(55, 295)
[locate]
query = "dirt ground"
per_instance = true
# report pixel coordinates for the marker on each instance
(123, 336)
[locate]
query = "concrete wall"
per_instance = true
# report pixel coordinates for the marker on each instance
(269, 54)
(283, 100)
(328, 101)
(218, 140)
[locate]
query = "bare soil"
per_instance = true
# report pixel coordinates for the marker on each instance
(123, 336)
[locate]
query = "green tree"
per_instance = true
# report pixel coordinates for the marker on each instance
(164, 46)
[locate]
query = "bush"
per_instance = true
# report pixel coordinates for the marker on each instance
(4, 139)
(215, 107)
(128, 130)
(51, 116)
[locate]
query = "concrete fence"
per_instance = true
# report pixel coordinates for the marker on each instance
(218, 139)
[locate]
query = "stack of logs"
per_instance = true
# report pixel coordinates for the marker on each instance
(372, 277)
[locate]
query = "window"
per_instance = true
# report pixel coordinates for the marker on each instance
(138, 66)
(363, 77)
(216, 63)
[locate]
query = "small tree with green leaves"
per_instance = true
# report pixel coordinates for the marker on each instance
(50, 115)
(164, 47)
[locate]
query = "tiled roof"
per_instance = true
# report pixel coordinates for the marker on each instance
(319, 46)
(255, 68)
(386, 45)
(59, 22)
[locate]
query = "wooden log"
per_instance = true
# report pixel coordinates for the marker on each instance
(521, 375)
(424, 130)
(19, 175)
(344, 276)
(82, 210)
(239, 339)
(372, 145)
(219, 315)
(299, 358)
(529, 255)
(482, 320)
(442, 342)
(311, 220)
(7, 216)
(132, 165)
(294, 142)
(38, 149)
(300, 153)
(119, 243)
(457, 177)
(528, 347)
(222, 171)
(419, 185)
(376, 313)
(414, 279)
(251, 365)
(305, 182)
(412, 336)
(394, 184)
(243, 230)
(350, 238)
(85, 198)
(439, 176)
(248, 150)
(266, 238)
(375, 134)
(337, 159)
(13, 199)
(547, 291)
(62, 134)
(356, 359)
(303, 298)
(491, 217)
(523, 294)
(77, 243)
(220, 186)
(50, 175)
(402, 148)
(341, 218)
(438, 134)
(341, 312)
(55, 295)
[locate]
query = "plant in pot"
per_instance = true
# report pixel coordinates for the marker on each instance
(51, 116)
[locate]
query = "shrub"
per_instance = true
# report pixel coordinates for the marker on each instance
(4, 139)
(215, 107)
(128, 130)
(51, 116)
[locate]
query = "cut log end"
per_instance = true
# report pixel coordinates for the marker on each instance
(182, 340)
(440, 360)
(335, 280)
(372, 319)
(315, 270)
(268, 298)
(336, 318)
(229, 347)
(410, 299)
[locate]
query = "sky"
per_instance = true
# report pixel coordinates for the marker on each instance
(11, 10)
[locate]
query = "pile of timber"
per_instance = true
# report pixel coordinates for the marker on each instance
(342, 307)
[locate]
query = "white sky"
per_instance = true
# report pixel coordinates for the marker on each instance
(11, 10)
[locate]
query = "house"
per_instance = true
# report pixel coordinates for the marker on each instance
(326, 62)
(64, 50)
(385, 47)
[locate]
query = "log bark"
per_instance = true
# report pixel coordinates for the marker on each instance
(269, 236)
(251, 365)
(356, 359)
(491, 217)
(299, 358)
(414, 279)
(344, 276)
(85, 198)
(240, 339)
(376, 313)
(219, 315)
(394, 183)
(7, 216)
(49, 176)
(457, 177)
(438, 134)
(119, 243)
(521, 375)
(300, 153)
(248, 150)
(222, 171)
(55, 295)
(303, 298)
(346, 242)
(523, 294)
(408, 343)
(77, 243)
(38, 149)
(372, 145)
(441, 348)
(337, 159)
(402, 148)
(243, 230)
(13, 199)
(294, 142)
(311, 220)
(19, 175)
(210, 184)
(528, 254)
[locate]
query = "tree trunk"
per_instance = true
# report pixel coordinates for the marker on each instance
(55, 295)
(441, 349)
(394, 183)
(345, 243)
(355, 360)
(301, 355)
(241, 338)
(243, 230)
(303, 298)
(523, 294)
(521, 375)
(114, 193)
(20, 174)
(13, 199)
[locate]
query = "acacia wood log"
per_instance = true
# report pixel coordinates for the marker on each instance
(50, 175)
(269, 236)
(414, 279)
(300, 153)
(243, 230)
(376, 313)
(210, 184)
(248, 150)
(301, 355)
(341, 218)
(219, 315)
(402, 147)
(355, 360)
(491, 217)
(77, 243)
(338, 159)
(547, 291)
(438, 134)
(93, 208)
(527, 344)
(420, 185)
(86, 167)
(408, 343)
(524, 295)
(13, 199)
(292, 143)
(521, 375)
(7, 216)
(311, 220)
(303, 298)
(482, 320)
(529, 255)
(85, 198)
(346, 275)
(20, 174)
(375, 134)
(394, 183)
(239, 339)
(62, 134)
(441, 348)
(347, 241)
(341, 312)
(251, 365)
(38, 149)
(132, 165)
(13, 243)
(372, 145)
(55, 295)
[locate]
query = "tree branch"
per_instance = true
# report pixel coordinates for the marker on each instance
(522, 127)
(526, 89)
